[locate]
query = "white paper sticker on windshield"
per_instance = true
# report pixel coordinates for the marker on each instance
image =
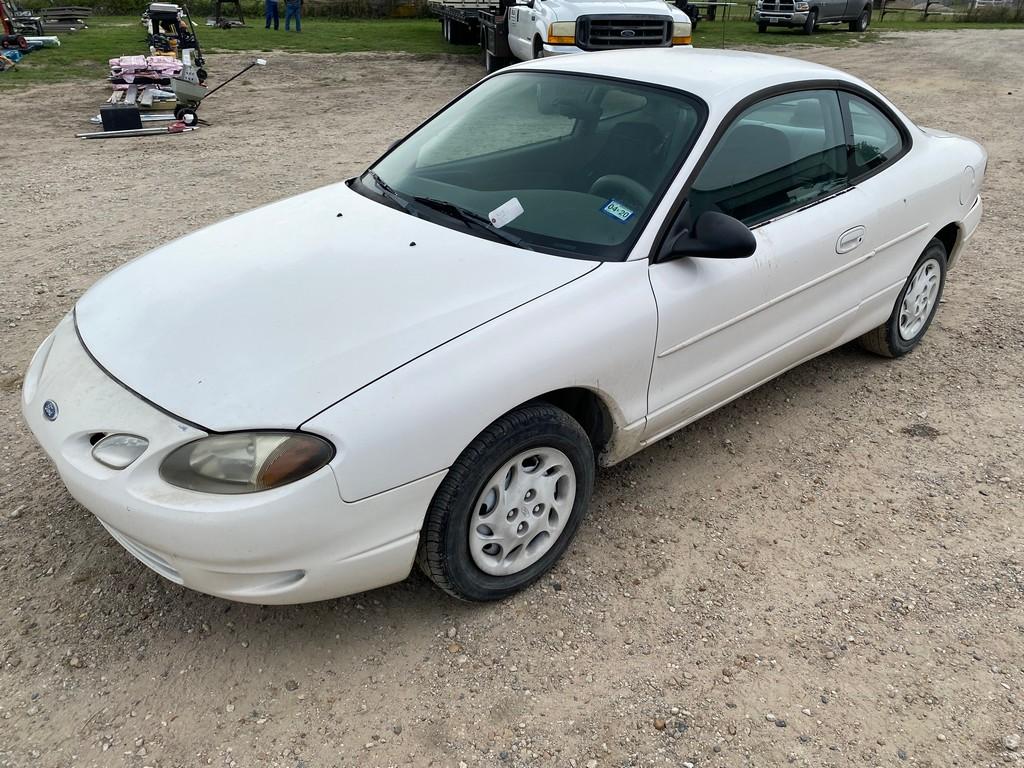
(617, 210)
(506, 212)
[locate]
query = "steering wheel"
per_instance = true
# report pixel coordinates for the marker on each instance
(615, 186)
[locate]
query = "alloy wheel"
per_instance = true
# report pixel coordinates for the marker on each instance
(522, 511)
(920, 298)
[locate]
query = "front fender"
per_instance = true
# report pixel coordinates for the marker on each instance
(597, 332)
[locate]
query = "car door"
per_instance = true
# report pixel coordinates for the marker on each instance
(520, 31)
(836, 9)
(877, 140)
(725, 326)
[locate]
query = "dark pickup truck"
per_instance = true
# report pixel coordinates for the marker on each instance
(808, 14)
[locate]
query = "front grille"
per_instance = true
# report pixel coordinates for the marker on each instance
(777, 5)
(601, 33)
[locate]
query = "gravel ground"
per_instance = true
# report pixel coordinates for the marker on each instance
(827, 572)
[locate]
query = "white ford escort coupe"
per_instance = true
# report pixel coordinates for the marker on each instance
(572, 260)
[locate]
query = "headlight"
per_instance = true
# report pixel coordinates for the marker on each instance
(759, 4)
(562, 33)
(245, 462)
(802, 6)
(681, 34)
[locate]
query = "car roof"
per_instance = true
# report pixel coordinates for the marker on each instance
(719, 77)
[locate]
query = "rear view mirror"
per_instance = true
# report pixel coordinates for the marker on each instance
(714, 236)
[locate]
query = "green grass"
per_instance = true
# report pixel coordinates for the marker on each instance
(84, 54)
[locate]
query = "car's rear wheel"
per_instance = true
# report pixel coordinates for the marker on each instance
(810, 23)
(509, 506)
(915, 307)
(862, 22)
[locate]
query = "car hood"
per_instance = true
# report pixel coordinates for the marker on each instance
(640, 7)
(265, 319)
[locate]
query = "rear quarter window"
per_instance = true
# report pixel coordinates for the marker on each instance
(876, 140)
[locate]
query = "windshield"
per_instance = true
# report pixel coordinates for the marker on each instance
(567, 164)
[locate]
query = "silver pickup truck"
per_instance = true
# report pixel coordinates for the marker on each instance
(808, 14)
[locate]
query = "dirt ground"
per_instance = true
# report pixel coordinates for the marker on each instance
(827, 572)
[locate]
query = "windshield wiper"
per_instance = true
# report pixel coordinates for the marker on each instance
(467, 216)
(388, 192)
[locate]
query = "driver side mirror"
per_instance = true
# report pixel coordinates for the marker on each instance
(714, 236)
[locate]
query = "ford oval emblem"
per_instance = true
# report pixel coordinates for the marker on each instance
(628, 33)
(50, 410)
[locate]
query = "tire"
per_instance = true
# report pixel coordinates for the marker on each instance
(810, 23)
(538, 48)
(890, 339)
(862, 22)
(762, 27)
(458, 512)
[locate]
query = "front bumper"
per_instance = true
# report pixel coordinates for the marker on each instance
(560, 50)
(780, 18)
(293, 544)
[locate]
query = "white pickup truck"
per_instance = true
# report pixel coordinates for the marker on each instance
(534, 28)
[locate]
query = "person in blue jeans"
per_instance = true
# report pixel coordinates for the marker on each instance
(271, 9)
(293, 10)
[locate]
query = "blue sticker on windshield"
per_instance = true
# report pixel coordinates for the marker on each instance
(617, 210)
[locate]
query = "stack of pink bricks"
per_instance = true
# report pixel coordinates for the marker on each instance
(153, 68)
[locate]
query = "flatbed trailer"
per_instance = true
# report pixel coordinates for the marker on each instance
(472, 22)
(460, 19)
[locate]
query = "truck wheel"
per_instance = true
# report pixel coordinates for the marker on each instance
(509, 506)
(811, 23)
(862, 22)
(762, 27)
(538, 48)
(915, 307)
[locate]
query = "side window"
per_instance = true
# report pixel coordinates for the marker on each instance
(876, 140)
(779, 155)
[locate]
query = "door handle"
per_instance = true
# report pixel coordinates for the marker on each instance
(850, 240)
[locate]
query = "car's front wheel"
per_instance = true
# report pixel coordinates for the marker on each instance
(762, 27)
(509, 506)
(810, 23)
(915, 306)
